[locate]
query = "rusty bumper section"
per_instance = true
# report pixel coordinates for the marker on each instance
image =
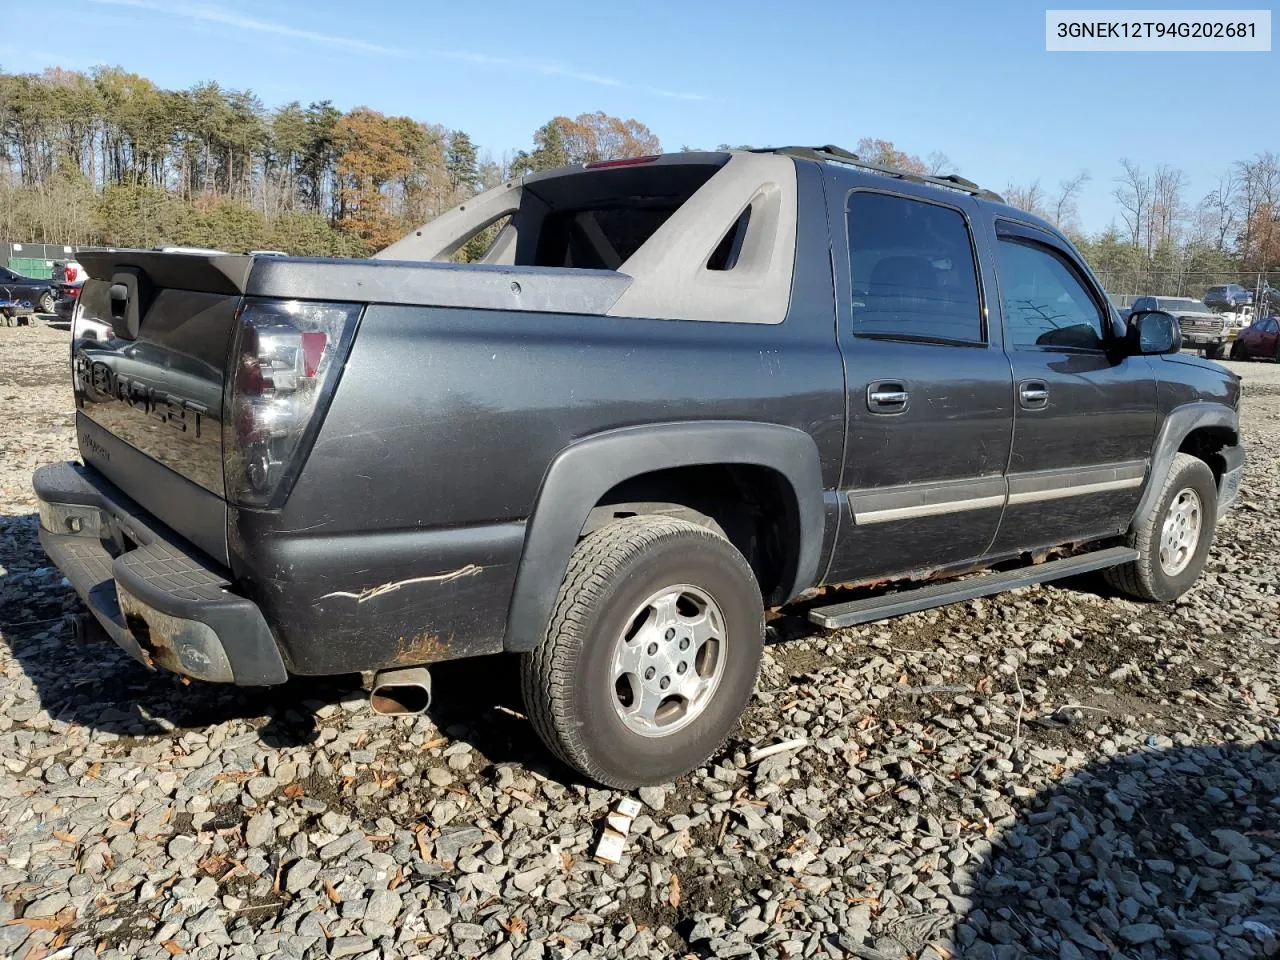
(158, 599)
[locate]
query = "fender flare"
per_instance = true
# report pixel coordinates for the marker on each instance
(1176, 427)
(585, 470)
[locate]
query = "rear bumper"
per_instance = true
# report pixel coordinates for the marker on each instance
(1232, 474)
(160, 600)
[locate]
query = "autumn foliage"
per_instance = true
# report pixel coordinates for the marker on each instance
(110, 157)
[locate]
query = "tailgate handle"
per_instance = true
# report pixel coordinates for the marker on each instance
(119, 300)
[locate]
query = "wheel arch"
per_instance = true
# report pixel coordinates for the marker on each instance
(1202, 429)
(646, 463)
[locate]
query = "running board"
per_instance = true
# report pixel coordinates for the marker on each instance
(954, 591)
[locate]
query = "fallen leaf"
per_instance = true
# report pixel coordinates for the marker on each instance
(65, 837)
(293, 791)
(331, 893)
(213, 864)
(397, 879)
(437, 742)
(95, 768)
(566, 861)
(34, 923)
(423, 851)
(514, 925)
(673, 893)
(171, 946)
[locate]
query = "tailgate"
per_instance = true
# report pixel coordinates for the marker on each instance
(149, 352)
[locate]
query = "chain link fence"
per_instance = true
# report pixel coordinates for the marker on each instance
(1125, 286)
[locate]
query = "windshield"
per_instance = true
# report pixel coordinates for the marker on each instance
(1182, 305)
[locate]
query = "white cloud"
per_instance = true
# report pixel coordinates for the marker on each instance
(211, 14)
(208, 13)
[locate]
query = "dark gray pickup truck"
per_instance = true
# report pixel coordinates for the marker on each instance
(677, 391)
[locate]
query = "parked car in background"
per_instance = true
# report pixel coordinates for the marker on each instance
(1259, 340)
(64, 307)
(41, 293)
(72, 276)
(1228, 297)
(69, 271)
(1202, 329)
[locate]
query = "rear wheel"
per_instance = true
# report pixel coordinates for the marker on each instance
(1173, 538)
(45, 303)
(651, 654)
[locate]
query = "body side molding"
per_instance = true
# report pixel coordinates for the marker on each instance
(584, 471)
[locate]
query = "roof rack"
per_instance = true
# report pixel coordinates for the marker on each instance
(840, 155)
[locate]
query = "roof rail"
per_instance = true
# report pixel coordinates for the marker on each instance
(830, 152)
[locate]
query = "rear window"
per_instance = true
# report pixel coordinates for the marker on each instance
(597, 239)
(597, 219)
(912, 271)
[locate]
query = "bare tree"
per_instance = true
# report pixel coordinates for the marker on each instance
(1028, 198)
(1167, 211)
(1257, 203)
(1064, 204)
(1219, 209)
(1133, 193)
(938, 163)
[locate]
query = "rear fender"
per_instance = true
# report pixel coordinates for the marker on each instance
(584, 471)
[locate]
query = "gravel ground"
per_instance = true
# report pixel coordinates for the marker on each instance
(1056, 773)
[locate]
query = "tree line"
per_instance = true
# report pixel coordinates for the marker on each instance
(1164, 241)
(109, 157)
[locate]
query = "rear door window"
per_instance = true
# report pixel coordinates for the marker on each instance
(912, 271)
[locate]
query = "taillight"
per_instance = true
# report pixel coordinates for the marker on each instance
(621, 162)
(286, 359)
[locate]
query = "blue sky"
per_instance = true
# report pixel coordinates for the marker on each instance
(970, 80)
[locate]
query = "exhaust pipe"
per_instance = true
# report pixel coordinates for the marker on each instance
(400, 692)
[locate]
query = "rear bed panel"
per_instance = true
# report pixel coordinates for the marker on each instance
(150, 395)
(161, 393)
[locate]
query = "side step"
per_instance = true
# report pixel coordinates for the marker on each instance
(940, 594)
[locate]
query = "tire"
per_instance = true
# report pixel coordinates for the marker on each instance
(1237, 351)
(1148, 578)
(45, 303)
(1213, 351)
(573, 692)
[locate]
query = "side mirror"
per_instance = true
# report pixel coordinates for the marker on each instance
(1153, 332)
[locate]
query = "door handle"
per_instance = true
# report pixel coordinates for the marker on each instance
(887, 396)
(1033, 394)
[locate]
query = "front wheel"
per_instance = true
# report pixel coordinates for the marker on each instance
(1237, 351)
(651, 654)
(1173, 538)
(1213, 351)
